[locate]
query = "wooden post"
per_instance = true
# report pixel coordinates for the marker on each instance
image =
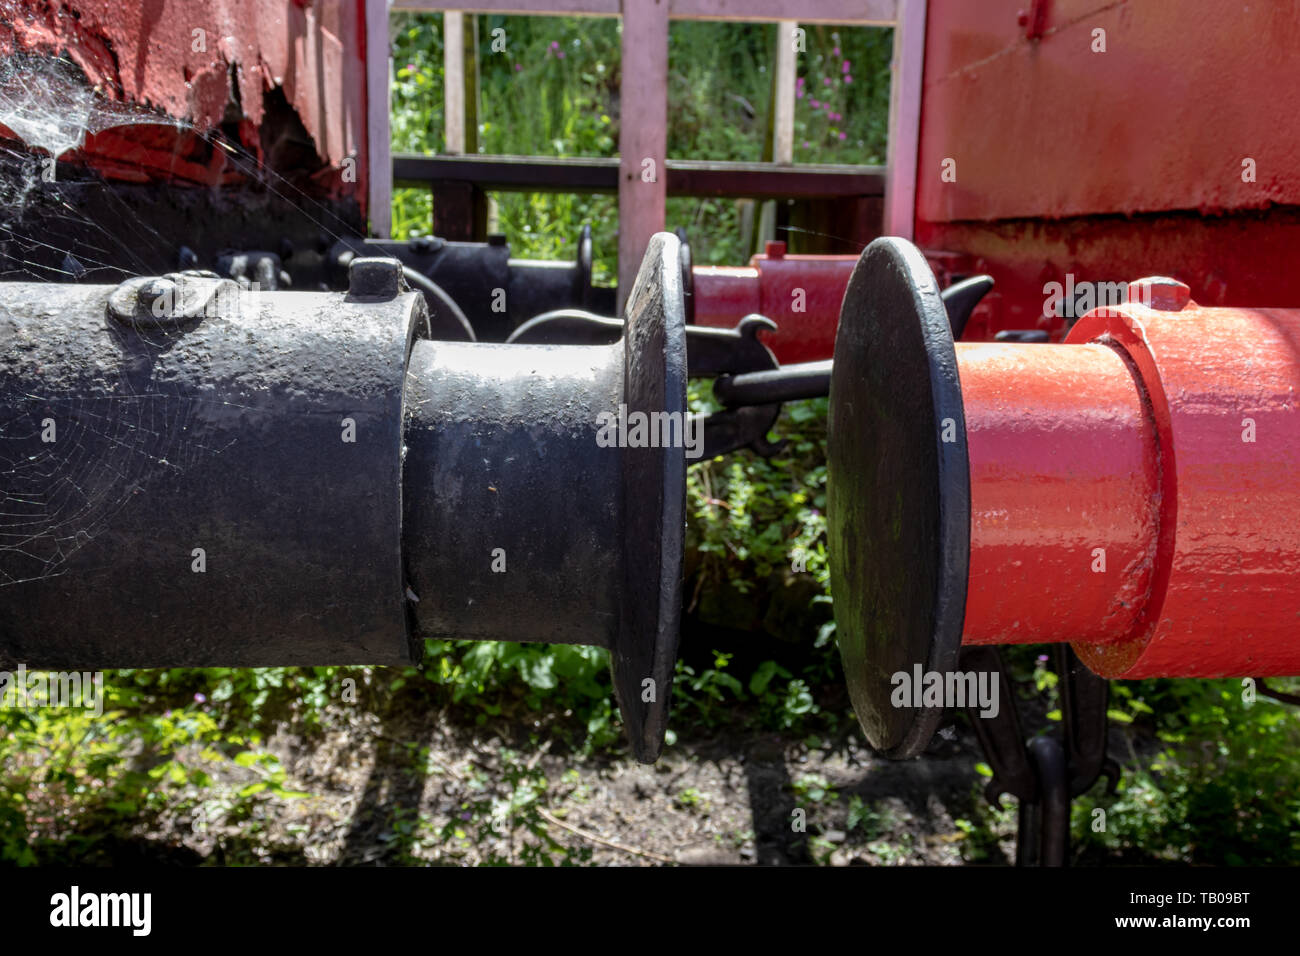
(460, 210)
(471, 83)
(453, 81)
(780, 145)
(642, 136)
(908, 69)
(783, 123)
(379, 162)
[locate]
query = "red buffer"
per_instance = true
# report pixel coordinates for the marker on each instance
(1144, 475)
(1132, 491)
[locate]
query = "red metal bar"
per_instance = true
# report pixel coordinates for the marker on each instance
(1133, 490)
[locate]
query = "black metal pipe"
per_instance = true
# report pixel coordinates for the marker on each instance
(508, 494)
(199, 475)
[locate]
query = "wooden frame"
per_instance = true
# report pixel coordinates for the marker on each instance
(643, 175)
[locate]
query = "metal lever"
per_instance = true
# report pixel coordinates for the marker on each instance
(813, 379)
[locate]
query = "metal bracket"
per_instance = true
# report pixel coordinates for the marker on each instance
(1046, 772)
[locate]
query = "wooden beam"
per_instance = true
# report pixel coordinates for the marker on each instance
(379, 167)
(536, 174)
(850, 12)
(908, 73)
(523, 8)
(511, 173)
(642, 134)
(880, 13)
(453, 81)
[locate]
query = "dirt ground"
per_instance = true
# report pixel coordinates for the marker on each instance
(411, 788)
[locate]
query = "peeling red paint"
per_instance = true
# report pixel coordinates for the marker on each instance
(196, 59)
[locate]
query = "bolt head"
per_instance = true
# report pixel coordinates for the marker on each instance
(156, 289)
(1160, 292)
(375, 277)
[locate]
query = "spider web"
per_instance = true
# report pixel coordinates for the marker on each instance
(129, 431)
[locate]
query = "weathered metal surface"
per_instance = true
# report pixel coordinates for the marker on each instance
(710, 352)
(1140, 469)
(210, 62)
(262, 430)
(496, 437)
(199, 475)
(654, 501)
(1160, 119)
(1242, 258)
(802, 294)
(1119, 140)
(1222, 387)
(156, 229)
(1061, 461)
(898, 496)
(787, 384)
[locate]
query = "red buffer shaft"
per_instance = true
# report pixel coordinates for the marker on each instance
(802, 294)
(1136, 490)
